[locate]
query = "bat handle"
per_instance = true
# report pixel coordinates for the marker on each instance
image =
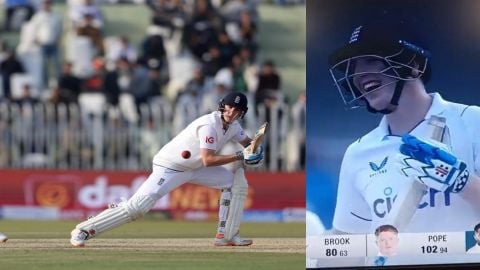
(437, 127)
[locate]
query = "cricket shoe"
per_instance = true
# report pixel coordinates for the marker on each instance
(79, 237)
(236, 240)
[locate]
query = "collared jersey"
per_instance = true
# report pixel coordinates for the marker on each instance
(474, 250)
(370, 178)
(204, 132)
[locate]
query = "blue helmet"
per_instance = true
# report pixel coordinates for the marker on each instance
(234, 99)
(388, 40)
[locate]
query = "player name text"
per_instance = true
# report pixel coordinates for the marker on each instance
(337, 241)
(437, 238)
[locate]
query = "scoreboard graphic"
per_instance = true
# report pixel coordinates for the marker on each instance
(366, 249)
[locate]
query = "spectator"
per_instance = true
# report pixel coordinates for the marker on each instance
(168, 14)
(197, 86)
(88, 8)
(203, 29)
(272, 104)
(123, 50)
(296, 135)
(268, 82)
(88, 29)
(156, 83)
(212, 61)
(27, 97)
(248, 30)
(8, 67)
(154, 51)
(250, 68)
(68, 87)
(117, 80)
(210, 99)
(95, 83)
(47, 27)
(238, 69)
(227, 48)
(14, 7)
(233, 9)
(225, 77)
(140, 85)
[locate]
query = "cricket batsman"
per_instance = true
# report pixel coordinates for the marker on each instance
(384, 68)
(192, 156)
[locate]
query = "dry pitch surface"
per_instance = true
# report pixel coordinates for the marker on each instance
(265, 245)
(150, 245)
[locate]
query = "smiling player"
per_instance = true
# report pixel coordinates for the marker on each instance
(384, 68)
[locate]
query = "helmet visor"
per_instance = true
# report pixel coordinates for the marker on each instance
(398, 66)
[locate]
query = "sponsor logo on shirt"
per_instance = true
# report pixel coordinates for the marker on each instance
(378, 169)
(209, 139)
(432, 198)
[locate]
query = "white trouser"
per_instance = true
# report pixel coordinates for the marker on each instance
(160, 182)
(163, 180)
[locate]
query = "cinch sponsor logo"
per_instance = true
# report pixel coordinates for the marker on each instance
(382, 206)
(432, 198)
(435, 198)
(378, 169)
(209, 140)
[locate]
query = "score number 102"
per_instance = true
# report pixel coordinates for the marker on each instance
(433, 249)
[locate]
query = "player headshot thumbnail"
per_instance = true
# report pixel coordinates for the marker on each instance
(386, 240)
(476, 235)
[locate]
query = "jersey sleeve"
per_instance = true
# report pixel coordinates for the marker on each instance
(471, 117)
(352, 214)
(207, 137)
(239, 135)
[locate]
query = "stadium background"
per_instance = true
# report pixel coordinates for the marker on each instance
(452, 31)
(37, 189)
(97, 128)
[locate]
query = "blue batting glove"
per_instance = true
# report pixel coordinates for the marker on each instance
(432, 164)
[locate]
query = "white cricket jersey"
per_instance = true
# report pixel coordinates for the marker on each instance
(474, 250)
(204, 132)
(370, 179)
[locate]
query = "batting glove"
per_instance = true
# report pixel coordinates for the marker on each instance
(253, 159)
(432, 164)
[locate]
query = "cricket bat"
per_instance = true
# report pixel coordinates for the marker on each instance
(258, 138)
(408, 199)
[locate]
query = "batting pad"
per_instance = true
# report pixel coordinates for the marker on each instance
(235, 213)
(225, 199)
(111, 218)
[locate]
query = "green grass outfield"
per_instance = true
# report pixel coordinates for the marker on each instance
(150, 244)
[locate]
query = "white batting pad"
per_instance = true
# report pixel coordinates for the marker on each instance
(111, 218)
(225, 199)
(239, 193)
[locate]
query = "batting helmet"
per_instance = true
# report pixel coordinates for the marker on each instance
(234, 99)
(388, 40)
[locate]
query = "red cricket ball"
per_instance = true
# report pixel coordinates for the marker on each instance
(186, 154)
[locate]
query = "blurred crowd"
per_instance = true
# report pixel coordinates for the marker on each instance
(192, 54)
(194, 51)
